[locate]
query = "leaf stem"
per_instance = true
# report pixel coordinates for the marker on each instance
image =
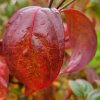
(60, 3)
(50, 3)
(66, 5)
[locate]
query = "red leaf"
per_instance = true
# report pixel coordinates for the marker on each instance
(92, 76)
(34, 46)
(3, 79)
(67, 43)
(83, 40)
(1, 51)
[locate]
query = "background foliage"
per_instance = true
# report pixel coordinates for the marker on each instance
(84, 85)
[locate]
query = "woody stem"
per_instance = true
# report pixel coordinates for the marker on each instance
(50, 3)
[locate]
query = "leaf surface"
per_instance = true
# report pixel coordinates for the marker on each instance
(3, 79)
(34, 46)
(94, 95)
(83, 40)
(80, 87)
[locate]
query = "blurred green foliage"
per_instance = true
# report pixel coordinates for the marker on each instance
(95, 63)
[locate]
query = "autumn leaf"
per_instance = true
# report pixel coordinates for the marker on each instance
(3, 79)
(34, 46)
(83, 40)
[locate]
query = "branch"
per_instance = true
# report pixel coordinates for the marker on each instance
(66, 5)
(50, 3)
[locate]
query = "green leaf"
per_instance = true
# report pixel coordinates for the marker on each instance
(86, 86)
(80, 88)
(76, 88)
(94, 95)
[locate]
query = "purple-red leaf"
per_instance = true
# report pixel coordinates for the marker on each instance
(3, 79)
(82, 38)
(67, 43)
(34, 46)
(92, 76)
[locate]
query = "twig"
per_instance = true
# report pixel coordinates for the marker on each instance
(60, 4)
(69, 3)
(50, 3)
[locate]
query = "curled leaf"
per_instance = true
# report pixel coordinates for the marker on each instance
(83, 40)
